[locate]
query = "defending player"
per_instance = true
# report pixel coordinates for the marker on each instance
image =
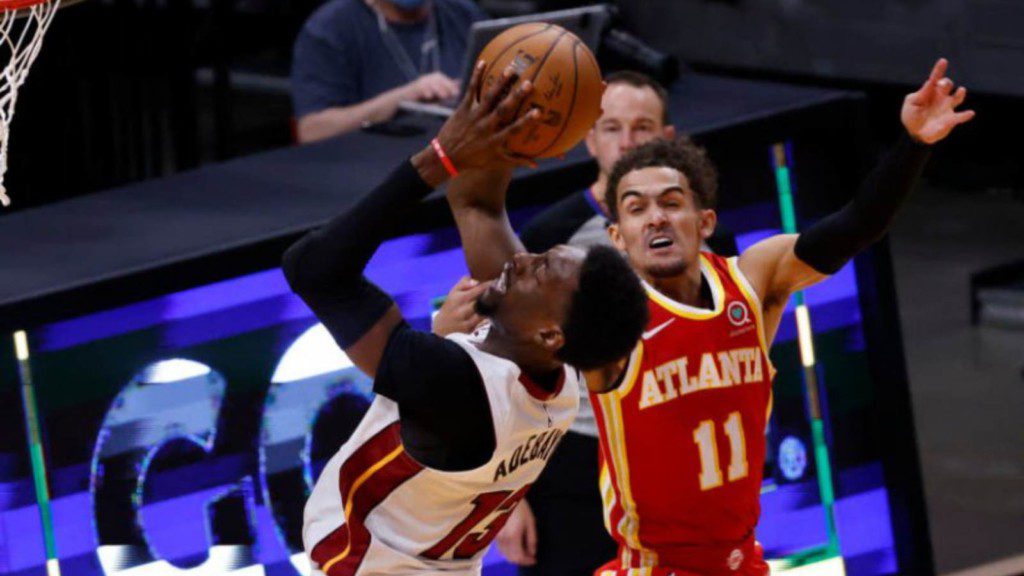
(461, 426)
(682, 438)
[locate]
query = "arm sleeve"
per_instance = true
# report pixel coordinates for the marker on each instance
(323, 73)
(325, 267)
(556, 224)
(446, 417)
(831, 242)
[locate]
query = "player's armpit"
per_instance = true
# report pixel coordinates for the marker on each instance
(366, 352)
(774, 270)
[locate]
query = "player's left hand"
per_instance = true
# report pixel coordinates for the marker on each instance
(930, 114)
(458, 313)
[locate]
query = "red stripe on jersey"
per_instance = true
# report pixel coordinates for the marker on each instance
(367, 477)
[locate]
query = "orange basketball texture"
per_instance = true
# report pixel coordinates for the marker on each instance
(566, 85)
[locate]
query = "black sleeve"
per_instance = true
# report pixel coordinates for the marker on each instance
(833, 241)
(556, 224)
(446, 417)
(325, 267)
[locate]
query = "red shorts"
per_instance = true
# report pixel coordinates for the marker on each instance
(744, 560)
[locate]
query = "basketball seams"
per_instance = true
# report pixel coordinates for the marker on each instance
(572, 103)
(565, 109)
(540, 67)
(497, 58)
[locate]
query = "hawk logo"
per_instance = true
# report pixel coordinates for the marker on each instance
(739, 314)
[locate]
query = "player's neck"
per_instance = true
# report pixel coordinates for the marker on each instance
(688, 287)
(535, 363)
(597, 190)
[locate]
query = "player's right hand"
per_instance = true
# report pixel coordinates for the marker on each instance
(517, 541)
(433, 86)
(475, 134)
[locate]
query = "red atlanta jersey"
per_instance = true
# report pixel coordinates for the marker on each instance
(683, 438)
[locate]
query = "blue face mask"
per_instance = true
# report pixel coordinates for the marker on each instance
(409, 4)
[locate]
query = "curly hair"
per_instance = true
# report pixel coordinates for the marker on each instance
(607, 314)
(681, 154)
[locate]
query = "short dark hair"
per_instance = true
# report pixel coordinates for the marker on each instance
(641, 80)
(608, 312)
(681, 154)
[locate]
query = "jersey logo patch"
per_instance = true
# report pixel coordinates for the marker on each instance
(738, 313)
(735, 559)
(650, 333)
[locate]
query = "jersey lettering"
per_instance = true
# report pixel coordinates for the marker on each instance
(495, 506)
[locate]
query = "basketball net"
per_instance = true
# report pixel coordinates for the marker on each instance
(23, 24)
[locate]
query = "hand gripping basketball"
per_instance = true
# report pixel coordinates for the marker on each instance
(475, 134)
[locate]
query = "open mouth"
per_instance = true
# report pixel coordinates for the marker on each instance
(504, 280)
(660, 242)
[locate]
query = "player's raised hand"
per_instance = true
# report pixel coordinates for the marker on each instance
(474, 136)
(930, 114)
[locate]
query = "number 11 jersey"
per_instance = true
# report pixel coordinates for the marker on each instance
(683, 438)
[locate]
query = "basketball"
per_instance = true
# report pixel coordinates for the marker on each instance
(566, 85)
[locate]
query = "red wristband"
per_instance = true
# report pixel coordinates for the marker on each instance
(445, 160)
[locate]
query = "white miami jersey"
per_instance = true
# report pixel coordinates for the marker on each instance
(376, 510)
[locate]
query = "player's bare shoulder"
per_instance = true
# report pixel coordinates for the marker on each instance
(774, 270)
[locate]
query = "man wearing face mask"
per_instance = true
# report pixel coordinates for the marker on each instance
(355, 61)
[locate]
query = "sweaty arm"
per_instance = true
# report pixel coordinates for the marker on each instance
(783, 264)
(434, 382)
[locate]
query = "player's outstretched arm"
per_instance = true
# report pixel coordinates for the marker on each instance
(783, 264)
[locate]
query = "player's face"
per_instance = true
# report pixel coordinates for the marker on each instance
(531, 296)
(630, 117)
(661, 223)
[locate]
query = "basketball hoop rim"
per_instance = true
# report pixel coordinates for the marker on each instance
(15, 5)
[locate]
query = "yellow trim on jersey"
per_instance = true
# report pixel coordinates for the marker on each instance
(632, 370)
(607, 496)
(629, 525)
(690, 312)
(755, 303)
(349, 500)
(647, 571)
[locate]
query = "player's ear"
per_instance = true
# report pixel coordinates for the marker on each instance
(616, 237)
(668, 132)
(708, 222)
(591, 141)
(551, 338)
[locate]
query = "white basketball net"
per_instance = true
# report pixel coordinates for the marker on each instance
(21, 37)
